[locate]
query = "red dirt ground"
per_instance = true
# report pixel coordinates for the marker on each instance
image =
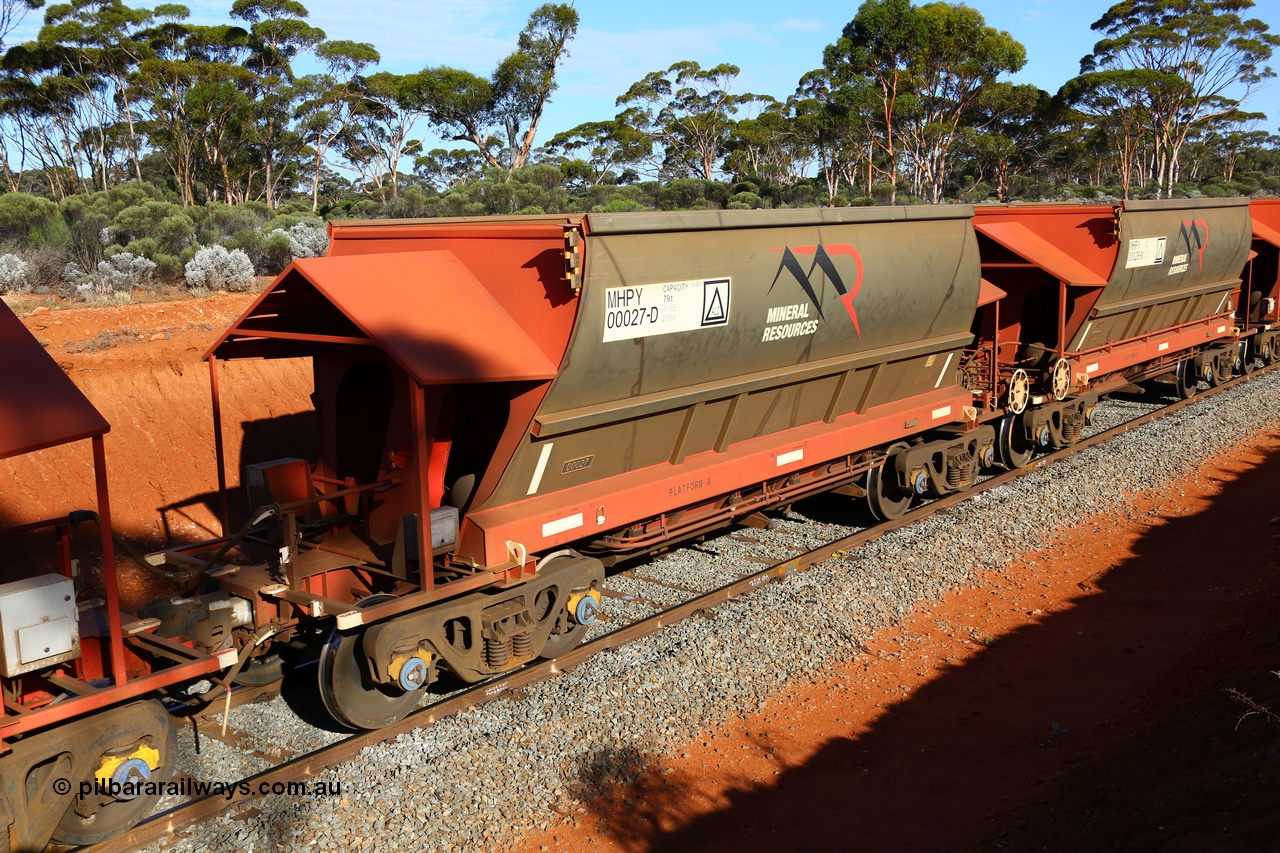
(1082, 702)
(153, 388)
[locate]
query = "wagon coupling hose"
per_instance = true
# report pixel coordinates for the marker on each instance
(256, 639)
(263, 513)
(180, 577)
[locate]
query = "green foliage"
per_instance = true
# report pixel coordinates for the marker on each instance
(276, 253)
(164, 222)
(744, 201)
(22, 214)
(466, 107)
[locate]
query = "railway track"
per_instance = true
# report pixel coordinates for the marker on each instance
(306, 766)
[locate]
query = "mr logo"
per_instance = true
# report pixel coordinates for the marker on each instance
(823, 260)
(1194, 234)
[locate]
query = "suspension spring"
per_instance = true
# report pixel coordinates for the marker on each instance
(1073, 426)
(522, 645)
(960, 469)
(497, 653)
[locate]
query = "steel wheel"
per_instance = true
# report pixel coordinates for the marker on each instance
(117, 815)
(1272, 353)
(345, 689)
(1185, 379)
(1060, 379)
(885, 500)
(570, 634)
(1246, 357)
(1012, 447)
(1214, 377)
(558, 644)
(1019, 392)
(261, 671)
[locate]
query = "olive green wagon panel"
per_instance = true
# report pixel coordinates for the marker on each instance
(703, 329)
(1177, 263)
(894, 284)
(1171, 249)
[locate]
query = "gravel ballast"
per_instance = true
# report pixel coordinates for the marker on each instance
(480, 780)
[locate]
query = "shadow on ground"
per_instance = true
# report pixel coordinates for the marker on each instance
(1106, 726)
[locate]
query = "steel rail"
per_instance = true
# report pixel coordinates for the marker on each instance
(165, 823)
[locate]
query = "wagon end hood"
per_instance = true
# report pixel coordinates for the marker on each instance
(426, 310)
(51, 410)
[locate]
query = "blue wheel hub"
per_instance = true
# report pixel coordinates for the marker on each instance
(130, 776)
(413, 675)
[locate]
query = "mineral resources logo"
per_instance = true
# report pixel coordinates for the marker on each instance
(789, 321)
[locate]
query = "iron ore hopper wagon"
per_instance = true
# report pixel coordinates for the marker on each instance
(507, 406)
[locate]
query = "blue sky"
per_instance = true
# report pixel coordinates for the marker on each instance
(619, 42)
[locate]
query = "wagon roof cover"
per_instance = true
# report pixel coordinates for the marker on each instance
(39, 405)
(426, 310)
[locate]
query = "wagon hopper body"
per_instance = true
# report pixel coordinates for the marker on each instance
(502, 389)
(1259, 312)
(76, 674)
(1097, 297)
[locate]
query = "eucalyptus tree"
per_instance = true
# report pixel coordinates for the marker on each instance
(766, 146)
(608, 149)
(929, 65)
(500, 114)
(12, 13)
(1117, 104)
(91, 46)
(1183, 62)
(873, 54)
(444, 170)
(382, 133)
(689, 112)
(278, 35)
(1009, 133)
(838, 123)
(196, 90)
(331, 101)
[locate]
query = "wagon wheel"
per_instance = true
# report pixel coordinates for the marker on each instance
(1213, 373)
(885, 500)
(1272, 353)
(1019, 392)
(261, 671)
(348, 694)
(1013, 448)
(566, 634)
(110, 816)
(1185, 379)
(1247, 356)
(1060, 379)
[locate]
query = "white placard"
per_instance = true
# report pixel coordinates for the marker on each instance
(643, 310)
(1146, 252)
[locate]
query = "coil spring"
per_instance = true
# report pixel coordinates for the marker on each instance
(522, 645)
(1073, 427)
(960, 469)
(497, 653)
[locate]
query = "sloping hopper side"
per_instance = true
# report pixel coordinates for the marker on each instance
(701, 330)
(1178, 262)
